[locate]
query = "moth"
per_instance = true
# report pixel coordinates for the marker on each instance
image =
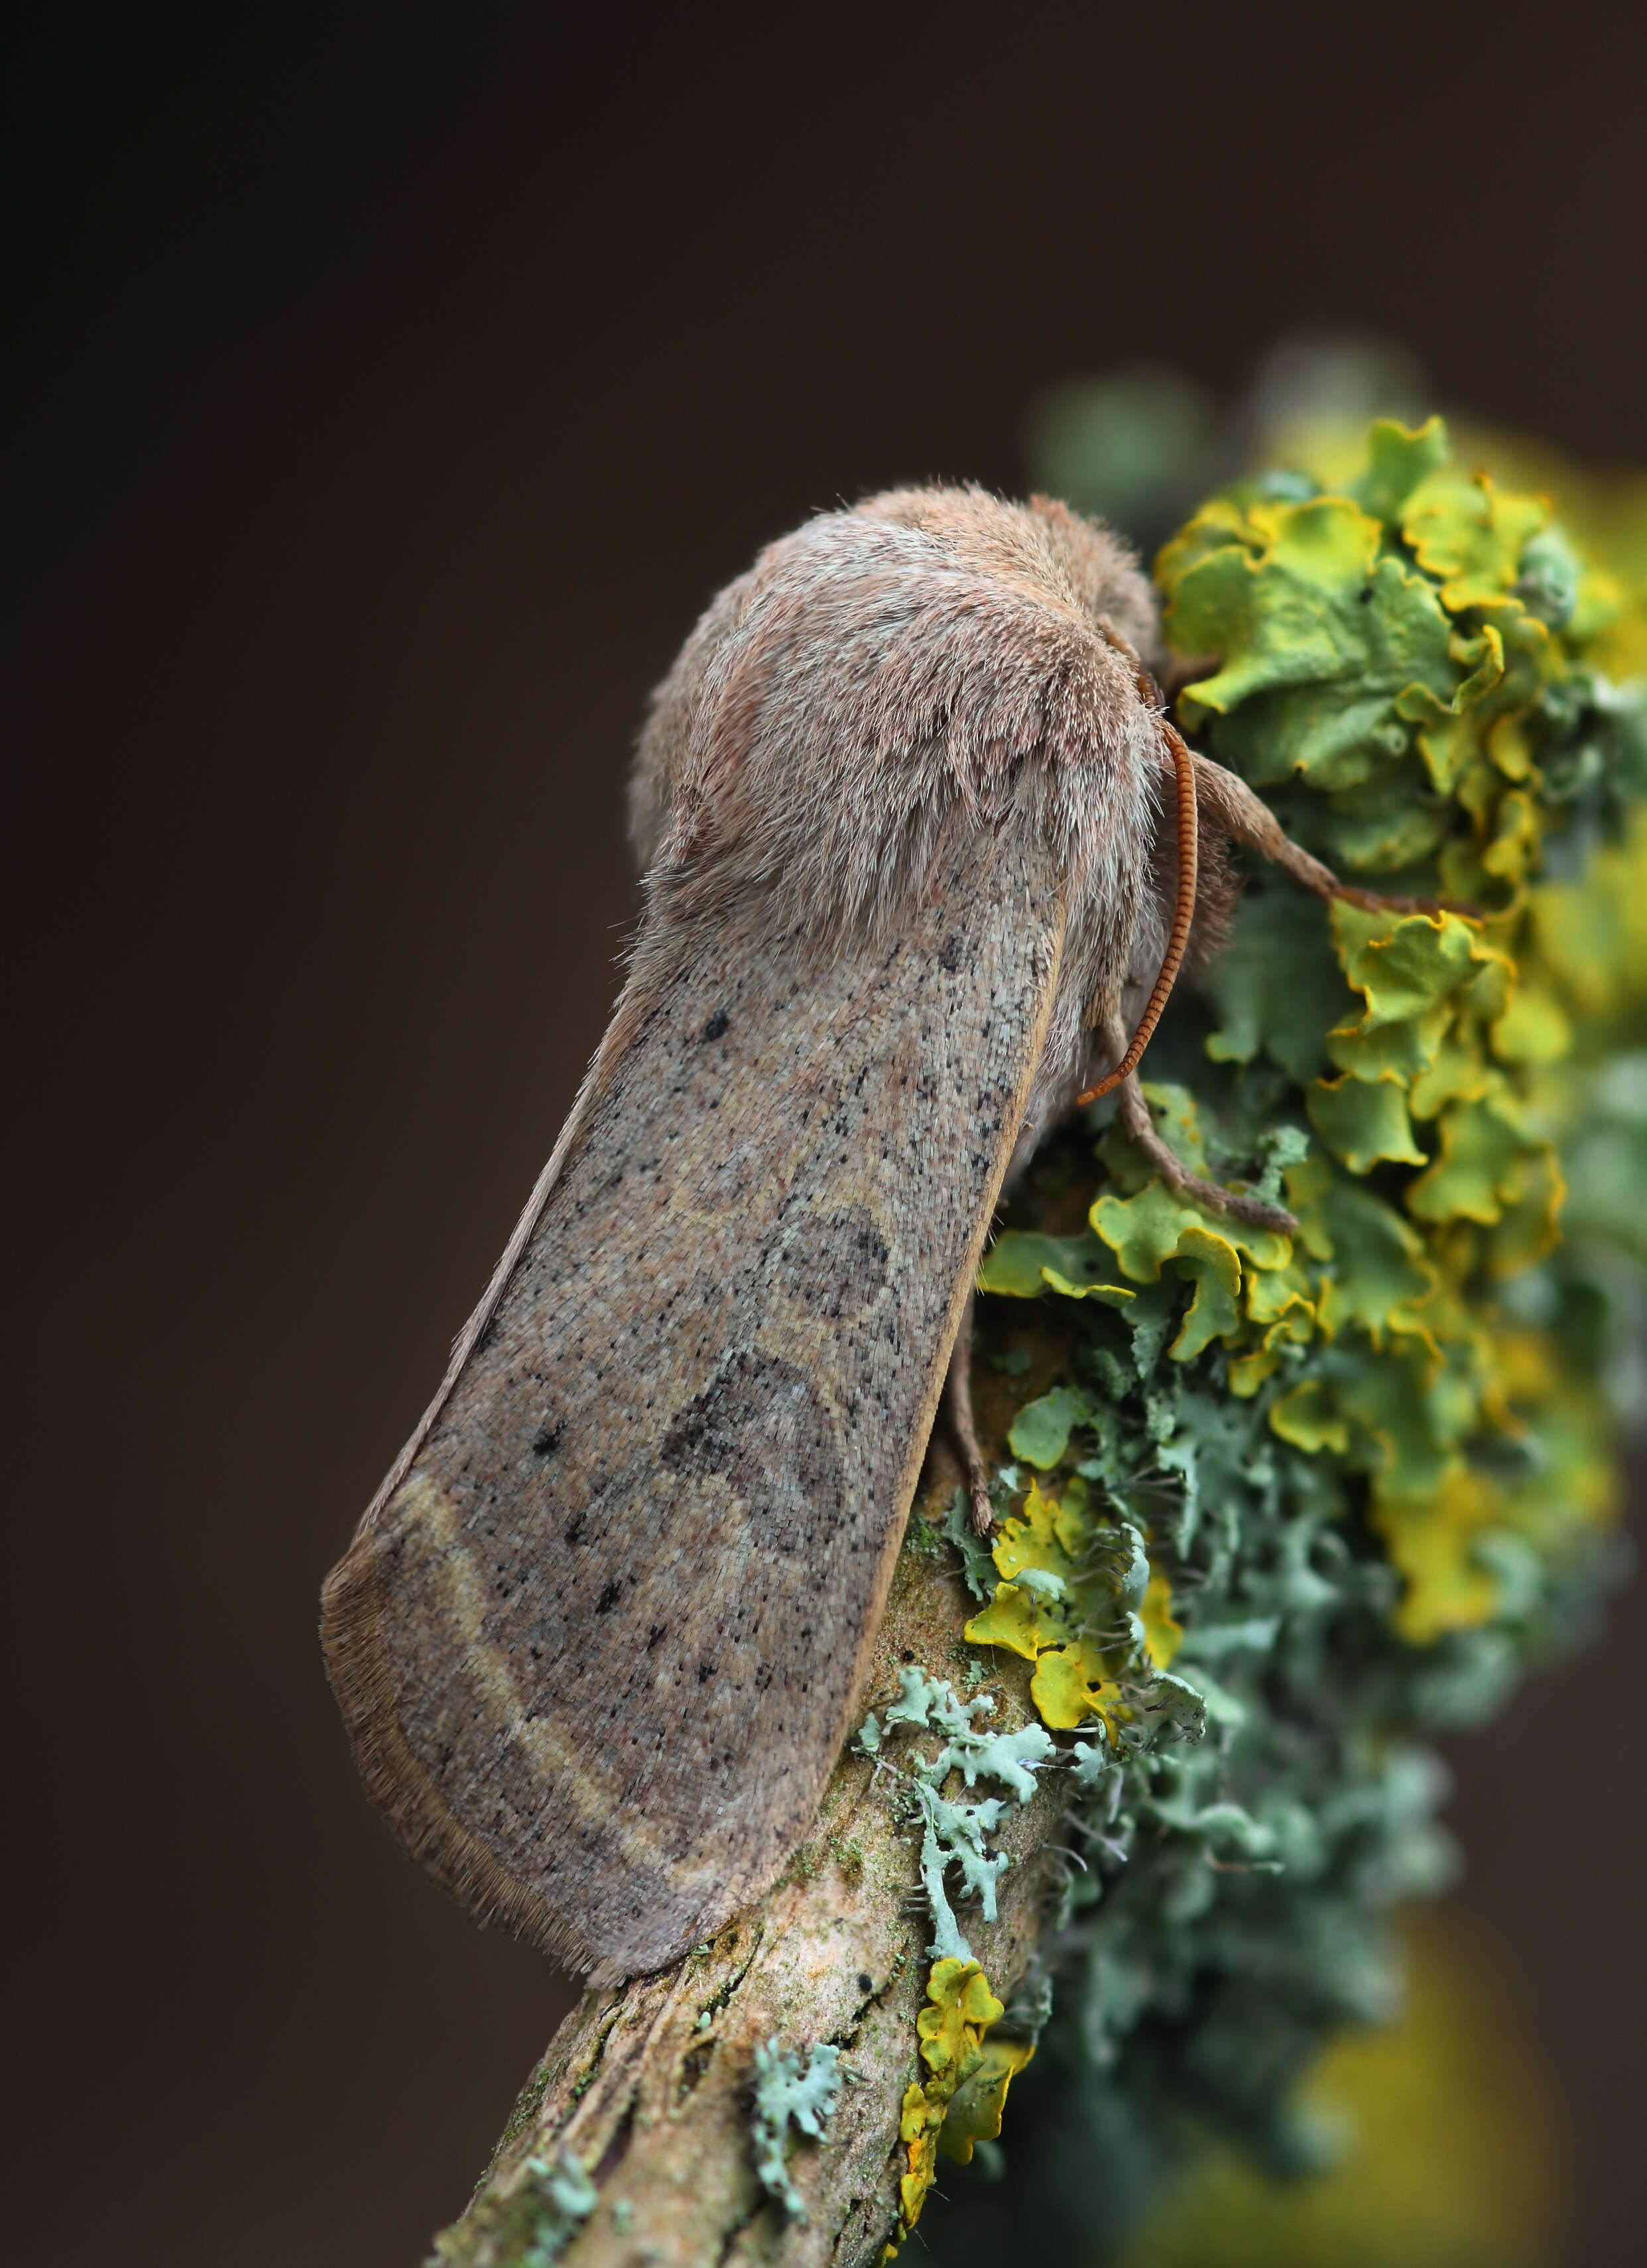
(919, 839)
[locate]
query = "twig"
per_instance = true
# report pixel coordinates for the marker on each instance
(651, 2112)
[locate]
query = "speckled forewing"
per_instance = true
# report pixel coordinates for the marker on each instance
(600, 1646)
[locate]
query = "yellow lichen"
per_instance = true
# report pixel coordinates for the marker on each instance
(1052, 1619)
(961, 2100)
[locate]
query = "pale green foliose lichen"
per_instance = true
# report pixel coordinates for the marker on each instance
(566, 2197)
(787, 2093)
(955, 1834)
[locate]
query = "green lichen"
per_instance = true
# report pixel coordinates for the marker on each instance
(1350, 1484)
(787, 2094)
(955, 1835)
(535, 2221)
(848, 1856)
(922, 1540)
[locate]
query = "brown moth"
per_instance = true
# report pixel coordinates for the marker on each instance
(600, 1637)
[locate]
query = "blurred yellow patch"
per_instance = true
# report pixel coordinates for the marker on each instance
(1452, 2148)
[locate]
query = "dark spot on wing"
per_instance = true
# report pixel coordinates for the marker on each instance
(760, 1426)
(833, 1264)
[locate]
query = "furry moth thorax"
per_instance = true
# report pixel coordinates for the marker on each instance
(933, 665)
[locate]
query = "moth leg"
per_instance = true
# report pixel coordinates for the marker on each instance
(1139, 1129)
(957, 1396)
(1227, 803)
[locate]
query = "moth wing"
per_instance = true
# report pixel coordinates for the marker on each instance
(599, 1641)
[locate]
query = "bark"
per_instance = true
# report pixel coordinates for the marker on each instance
(647, 2087)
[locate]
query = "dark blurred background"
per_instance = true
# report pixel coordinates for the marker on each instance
(385, 391)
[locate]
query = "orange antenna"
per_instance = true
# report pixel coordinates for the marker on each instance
(1183, 913)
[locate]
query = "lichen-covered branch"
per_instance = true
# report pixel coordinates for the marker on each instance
(1275, 1509)
(634, 2140)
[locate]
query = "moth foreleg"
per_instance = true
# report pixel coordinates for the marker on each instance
(1139, 1129)
(1229, 804)
(958, 1398)
(1226, 802)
